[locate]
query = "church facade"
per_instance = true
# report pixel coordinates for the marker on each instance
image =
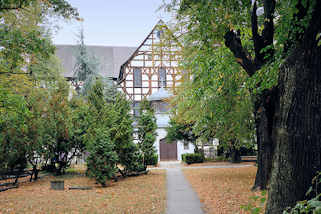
(151, 72)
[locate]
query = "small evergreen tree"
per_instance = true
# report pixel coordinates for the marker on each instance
(119, 123)
(86, 69)
(122, 133)
(13, 117)
(58, 132)
(102, 159)
(110, 92)
(146, 131)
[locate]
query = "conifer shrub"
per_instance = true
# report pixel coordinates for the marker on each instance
(193, 158)
(146, 131)
(102, 159)
(152, 160)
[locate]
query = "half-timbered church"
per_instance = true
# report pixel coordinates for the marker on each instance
(150, 71)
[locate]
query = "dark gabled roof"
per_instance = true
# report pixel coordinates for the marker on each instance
(110, 58)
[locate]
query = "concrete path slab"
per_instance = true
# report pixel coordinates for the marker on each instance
(169, 164)
(181, 198)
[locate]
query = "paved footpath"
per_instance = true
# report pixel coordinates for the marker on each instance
(181, 198)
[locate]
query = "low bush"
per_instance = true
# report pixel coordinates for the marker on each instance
(193, 158)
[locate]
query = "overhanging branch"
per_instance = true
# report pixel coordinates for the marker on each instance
(266, 39)
(233, 42)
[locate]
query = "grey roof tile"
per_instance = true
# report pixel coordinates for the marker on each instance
(110, 58)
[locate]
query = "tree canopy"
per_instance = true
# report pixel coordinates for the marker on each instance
(273, 42)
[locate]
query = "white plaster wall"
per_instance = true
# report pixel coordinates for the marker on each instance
(181, 150)
(161, 133)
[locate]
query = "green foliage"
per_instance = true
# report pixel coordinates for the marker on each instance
(309, 206)
(27, 62)
(23, 42)
(256, 204)
(102, 159)
(80, 117)
(13, 117)
(146, 131)
(58, 132)
(35, 137)
(110, 112)
(86, 69)
(152, 160)
(46, 72)
(215, 103)
(60, 7)
(221, 158)
(179, 131)
(121, 130)
(193, 158)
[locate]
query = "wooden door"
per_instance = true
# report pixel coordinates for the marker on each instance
(167, 151)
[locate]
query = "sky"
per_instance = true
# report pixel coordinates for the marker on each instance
(112, 22)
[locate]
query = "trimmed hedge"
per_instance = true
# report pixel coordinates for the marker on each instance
(153, 160)
(193, 158)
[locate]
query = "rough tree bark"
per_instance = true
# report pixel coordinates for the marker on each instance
(264, 111)
(298, 150)
(298, 119)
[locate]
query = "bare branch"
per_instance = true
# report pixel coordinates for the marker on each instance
(257, 39)
(266, 39)
(233, 42)
(268, 31)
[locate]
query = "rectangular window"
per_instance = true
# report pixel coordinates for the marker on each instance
(137, 77)
(186, 145)
(162, 78)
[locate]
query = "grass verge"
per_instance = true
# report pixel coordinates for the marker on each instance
(141, 194)
(223, 190)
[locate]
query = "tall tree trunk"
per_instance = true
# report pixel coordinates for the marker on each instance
(264, 116)
(235, 153)
(297, 129)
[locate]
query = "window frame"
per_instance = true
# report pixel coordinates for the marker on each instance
(137, 78)
(162, 77)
